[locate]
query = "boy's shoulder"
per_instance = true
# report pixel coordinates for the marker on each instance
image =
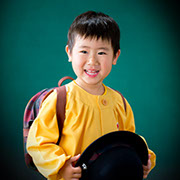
(112, 95)
(70, 87)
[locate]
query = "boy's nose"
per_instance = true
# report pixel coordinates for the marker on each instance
(92, 61)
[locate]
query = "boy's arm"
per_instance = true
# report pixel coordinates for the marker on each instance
(130, 126)
(43, 136)
(152, 156)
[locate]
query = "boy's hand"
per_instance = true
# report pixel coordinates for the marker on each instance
(146, 169)
(68, 172)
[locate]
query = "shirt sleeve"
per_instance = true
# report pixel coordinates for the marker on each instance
(130, 126)
(43, 136)
(153, 155)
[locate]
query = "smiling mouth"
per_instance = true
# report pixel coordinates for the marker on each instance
(91, 73)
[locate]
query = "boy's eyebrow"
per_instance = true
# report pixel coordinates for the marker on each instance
(84, 47)
(103, 48)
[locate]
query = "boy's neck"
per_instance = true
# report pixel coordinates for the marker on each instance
(95, 89)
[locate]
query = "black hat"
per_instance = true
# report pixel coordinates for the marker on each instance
(115, 156)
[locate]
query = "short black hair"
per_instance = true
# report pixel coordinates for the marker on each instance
(95, 25)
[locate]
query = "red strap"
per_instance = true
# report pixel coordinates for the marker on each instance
(61, 105)
(124, 101)
(63, 79)
(60, 108)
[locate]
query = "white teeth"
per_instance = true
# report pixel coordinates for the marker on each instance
(92, 72)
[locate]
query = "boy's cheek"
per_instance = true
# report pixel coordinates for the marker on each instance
(106, 68)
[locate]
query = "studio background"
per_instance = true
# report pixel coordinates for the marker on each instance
(33, 35)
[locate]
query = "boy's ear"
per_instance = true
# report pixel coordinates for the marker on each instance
(116, 57)
(68, 53)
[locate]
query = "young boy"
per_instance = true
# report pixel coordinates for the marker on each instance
(92, 109)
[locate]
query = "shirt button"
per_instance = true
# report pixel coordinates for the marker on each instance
(104, 102)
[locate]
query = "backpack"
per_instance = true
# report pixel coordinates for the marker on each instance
(33, 107)
(32, 110)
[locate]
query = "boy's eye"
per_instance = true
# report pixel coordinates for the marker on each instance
(101, 53)
(84, 52)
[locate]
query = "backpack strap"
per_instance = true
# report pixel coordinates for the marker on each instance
(61, 104)
(63, 79)
(61, 108)
(124, 101)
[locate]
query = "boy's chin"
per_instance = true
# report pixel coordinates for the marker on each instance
(89, 81)
(94, 81)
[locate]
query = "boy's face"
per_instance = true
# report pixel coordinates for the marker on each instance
(92, 60)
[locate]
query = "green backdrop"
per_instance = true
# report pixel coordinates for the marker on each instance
(33, 35)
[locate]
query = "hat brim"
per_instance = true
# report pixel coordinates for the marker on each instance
(108, 143)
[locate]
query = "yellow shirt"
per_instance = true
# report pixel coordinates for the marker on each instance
(87, 118)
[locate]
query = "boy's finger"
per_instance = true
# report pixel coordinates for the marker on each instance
(76, 175)
(144, 176)
(145, 168)
(75, 158)
(77, 170)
